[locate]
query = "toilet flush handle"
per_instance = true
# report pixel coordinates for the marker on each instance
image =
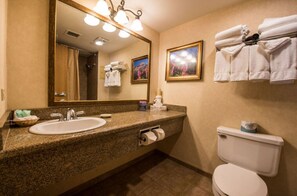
(223, 136)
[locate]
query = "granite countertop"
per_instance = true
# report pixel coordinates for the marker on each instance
(17, 141)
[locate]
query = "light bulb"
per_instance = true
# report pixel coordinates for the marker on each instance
(91, 20)
(102, 8)
(108, 27)
(121, 17)
(136, 25)
(99, 42)
(123, 34)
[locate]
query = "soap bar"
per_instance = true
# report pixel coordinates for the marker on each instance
(105, 115)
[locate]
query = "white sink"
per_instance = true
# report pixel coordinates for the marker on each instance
(55, 127)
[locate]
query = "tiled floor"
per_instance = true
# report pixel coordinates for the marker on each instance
(156, 175)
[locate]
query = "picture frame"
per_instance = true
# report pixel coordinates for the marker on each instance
(140, 70)
(184, 63)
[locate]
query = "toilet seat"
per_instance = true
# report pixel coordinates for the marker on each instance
(229, 179)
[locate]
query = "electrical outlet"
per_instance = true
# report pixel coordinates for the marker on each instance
(2, 94)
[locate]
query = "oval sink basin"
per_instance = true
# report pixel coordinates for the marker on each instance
(55, 127)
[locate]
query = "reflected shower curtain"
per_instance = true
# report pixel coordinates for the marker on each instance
(73, 75)
(67, 73)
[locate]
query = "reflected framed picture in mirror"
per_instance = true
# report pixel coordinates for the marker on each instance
(139, 70)
(184, 62)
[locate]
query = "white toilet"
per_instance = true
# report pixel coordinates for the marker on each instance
(247, 155)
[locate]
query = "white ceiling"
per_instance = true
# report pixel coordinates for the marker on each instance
(161, 15)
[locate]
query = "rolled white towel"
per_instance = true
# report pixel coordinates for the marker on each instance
(229, 42)
(258, 64)
(271, 23)
(222, 67)
(280, 31)
(240, 65)
(108, 66)
(114, 63)
(232, 32)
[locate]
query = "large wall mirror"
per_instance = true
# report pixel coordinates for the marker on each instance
(93, 59)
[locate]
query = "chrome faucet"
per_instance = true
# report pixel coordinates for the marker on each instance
(71, 114)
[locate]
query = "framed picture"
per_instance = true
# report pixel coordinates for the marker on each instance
(184, 62)
(140, 70)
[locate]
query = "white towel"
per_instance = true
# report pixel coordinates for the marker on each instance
(232, 50)
(222, 67)
(108, 66)
(107, 69)
(271, 23)
(114, 63)
(280, 31)
(240, 65)
(229, 42)
(114, 78)
(270, 46)
(283, 62)
(106, 81)
(232, 32)
(258, 64)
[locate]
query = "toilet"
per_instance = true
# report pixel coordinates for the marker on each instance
(246, 155)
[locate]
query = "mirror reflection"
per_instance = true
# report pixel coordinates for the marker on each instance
(97, 61)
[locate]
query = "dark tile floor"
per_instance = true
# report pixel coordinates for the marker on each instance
(153, 176)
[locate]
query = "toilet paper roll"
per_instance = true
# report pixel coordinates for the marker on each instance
(159, 133)
(148, 138)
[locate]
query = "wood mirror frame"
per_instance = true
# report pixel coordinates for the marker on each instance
(52, 56)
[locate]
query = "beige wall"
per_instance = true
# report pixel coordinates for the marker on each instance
(273, 107)
(3, 28)
(127, 91)
(27, 47)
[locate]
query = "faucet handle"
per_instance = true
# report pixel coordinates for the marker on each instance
(80, 113)
(54, 115)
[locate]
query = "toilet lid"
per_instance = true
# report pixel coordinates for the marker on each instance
(233, 180)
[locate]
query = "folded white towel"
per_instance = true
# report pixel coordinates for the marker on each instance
(107, 69)
(114, 63)
(114, 78)
(283, 62)
(279, 31)
(240, 65)
(232, 32)
(232, 50)
(270, 46)
(258, 64)
(229, 42)
(222, 67)
(108, 66)
(106, 81)
(271, 23)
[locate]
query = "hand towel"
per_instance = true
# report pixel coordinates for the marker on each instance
(229, 42)
(283, 60)
(270, 46)
(108, 66)
(117, 78)
(271, 23)
(232, 50)
(222, 67)
(240, 65)
(258, 64)
(232, 32)
(106, 80)
(280, 31)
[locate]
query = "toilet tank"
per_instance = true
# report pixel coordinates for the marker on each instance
(254, 151)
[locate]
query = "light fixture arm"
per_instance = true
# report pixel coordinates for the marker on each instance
(121, 7)
(137, 14)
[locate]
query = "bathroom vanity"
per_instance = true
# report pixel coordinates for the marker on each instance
(29, 162)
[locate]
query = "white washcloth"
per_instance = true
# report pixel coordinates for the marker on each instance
(232, 50)
(271, 23)
(222, 67)
(229, 42)
(258, 64)
(240, 65)
(280, 31)
(283, 62)
(232, 32)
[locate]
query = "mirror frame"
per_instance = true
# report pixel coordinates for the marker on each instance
(52, 56)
